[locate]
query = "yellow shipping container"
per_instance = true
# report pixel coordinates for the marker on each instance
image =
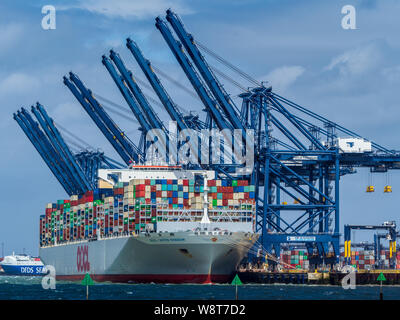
(102, 184)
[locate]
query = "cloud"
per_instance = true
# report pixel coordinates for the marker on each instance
(281, 78)
(392, 74)
(128, 8)
(17, 83)
(358, 60)
(9, 35)
(67, 111)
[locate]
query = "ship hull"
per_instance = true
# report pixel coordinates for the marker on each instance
(23, 270)
(181, 257)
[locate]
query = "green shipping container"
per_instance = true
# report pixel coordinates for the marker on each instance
(234, 183)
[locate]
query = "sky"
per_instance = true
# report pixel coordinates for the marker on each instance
(351, 77)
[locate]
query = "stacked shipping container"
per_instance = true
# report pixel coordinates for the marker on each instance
(295, 258)
(131, 207)
(365, 259)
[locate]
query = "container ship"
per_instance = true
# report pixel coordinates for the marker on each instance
(151, 224)
(22, 265)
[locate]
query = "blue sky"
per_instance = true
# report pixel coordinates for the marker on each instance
(349, 76)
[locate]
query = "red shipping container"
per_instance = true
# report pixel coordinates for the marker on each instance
(169, 194)
(211, 183)
(224, 202)
(158, 194)
(175, 200)
(140, 194)
(140, 187)
(147, 182)
(148, 201)
(185, 202)
(169, 181)
(242, 183)
(153, 189)
(186, 182)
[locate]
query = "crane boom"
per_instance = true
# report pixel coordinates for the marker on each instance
(126, 149)
(219, 93)
(176, 48)
(45, 154)
(126, 74)
(58, 142)
(156, 84)
(127, 95)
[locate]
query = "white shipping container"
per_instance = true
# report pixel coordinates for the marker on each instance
(353, 145)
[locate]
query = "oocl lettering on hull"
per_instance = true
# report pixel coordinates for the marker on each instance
(82, 259)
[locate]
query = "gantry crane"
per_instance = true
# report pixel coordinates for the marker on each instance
(389, 226)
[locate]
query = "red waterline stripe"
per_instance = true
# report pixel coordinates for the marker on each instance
(147, 278)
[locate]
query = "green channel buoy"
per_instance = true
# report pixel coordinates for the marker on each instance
(237, 282)
(381, 278)
(87, 281)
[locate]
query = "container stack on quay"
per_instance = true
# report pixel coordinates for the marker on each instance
(295, 258)
(130, 208)
(365, 259)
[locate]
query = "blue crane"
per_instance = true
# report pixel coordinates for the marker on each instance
(53, 151)
(216, 88)
(53, 134)
(127, 76)
(139, 114)
(127, 150)
(88, 161)
(378, 247)
(206, 97)
(91, 162)
(137, 111)
(162, 94)
(45, 151)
